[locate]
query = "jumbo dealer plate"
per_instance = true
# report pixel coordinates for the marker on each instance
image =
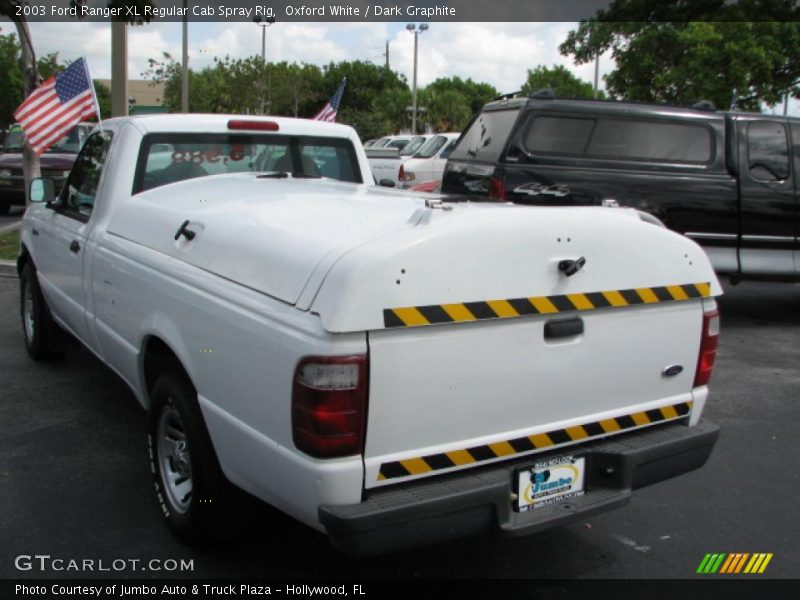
(549, 482)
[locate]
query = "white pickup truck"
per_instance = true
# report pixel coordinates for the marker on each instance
(388, 369)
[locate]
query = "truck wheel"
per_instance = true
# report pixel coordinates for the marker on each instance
(195, 497)
(42, 334)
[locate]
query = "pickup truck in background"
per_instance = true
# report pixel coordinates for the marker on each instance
(385, 367)
(728, 180)
(386, 160)
(55, 163)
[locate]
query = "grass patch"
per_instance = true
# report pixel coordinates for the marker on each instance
(9, 245)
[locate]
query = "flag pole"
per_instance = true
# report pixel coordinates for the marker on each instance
(94, 93)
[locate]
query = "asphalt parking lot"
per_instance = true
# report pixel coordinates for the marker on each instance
(74, 480)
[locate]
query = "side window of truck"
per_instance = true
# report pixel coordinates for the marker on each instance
(486, 136)
(620, 139)
(81, 188)
(767, 151)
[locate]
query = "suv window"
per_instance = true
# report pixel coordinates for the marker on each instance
(559, 135)
(767, 151)
(630, 139)
(81, 188)
(486, 135)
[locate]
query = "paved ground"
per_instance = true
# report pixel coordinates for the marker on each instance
(74, 481)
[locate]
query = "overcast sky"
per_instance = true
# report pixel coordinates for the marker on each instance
(496, 53)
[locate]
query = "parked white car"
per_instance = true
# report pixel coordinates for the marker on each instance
(385, 162)
(384, 367)
(427, 163)
(393, 141)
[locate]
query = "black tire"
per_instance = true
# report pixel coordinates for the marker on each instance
(44, 339)
(206, 513)
(5, 208)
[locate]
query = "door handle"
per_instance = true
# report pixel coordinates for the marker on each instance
(184, 231)
(563, 328)
(75, 246)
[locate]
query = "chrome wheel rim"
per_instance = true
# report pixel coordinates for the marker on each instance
(27, 312)
(175, 465)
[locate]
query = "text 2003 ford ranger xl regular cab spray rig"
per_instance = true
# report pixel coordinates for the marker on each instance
(388, 369)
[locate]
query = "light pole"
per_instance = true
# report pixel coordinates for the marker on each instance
(416, 30)
(596, 73)
(185, 60)
(264, 23)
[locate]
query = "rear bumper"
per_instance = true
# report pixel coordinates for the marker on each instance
(479, 500)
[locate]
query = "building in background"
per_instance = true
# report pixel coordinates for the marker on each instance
(144, 96)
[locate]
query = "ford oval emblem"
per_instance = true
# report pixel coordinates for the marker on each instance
(672, 370)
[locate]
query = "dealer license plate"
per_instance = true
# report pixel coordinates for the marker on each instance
(549, 482)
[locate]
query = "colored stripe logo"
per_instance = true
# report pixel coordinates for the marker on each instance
(434, 314)
(549, 440)
(734, 563)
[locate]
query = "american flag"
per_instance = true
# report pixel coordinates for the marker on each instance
(56, 106)
(328, 112)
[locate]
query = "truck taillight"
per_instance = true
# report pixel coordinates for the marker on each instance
(708, 347)
(403, 176)
(497, 190)
(329, 405)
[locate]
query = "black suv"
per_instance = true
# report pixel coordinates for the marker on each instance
(729, 180)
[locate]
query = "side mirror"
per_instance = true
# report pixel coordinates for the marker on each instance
(387, 183)
(42, 190)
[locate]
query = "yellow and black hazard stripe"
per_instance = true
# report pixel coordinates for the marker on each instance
(433, 314)
(539, 441)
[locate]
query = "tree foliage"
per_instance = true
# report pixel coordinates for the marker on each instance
(451, 102)
(681, 52)
(10, 79)
(12, 84)
(374, 99)
(560, 80)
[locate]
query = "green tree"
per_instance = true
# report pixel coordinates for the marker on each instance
(450, 102)
(446, 109)
(10, 79)
(103, 93)
(374, 101)
(477, 94)
(560, 80)
(681, 52)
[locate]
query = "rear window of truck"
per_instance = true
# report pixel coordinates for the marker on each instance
(170, 157)
(486, 136)
(612, 138)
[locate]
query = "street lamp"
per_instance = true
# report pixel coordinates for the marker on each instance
(185, 59)
(416, 30)
(264, 23)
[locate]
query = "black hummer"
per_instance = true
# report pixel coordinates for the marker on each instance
(729, 180)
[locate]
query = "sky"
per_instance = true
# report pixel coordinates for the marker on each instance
(495, 53)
